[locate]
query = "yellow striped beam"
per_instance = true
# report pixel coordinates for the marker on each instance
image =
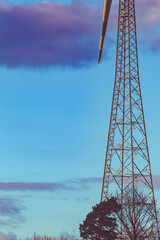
(106, 11)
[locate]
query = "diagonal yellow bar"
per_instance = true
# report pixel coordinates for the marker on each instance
(106, 11)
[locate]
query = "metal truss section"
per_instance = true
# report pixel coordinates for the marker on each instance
(127, 163)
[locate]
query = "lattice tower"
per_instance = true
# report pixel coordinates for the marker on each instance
(127, 163)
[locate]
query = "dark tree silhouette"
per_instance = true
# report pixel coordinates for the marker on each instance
(101, 222)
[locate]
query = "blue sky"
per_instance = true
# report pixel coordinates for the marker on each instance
(54, 121)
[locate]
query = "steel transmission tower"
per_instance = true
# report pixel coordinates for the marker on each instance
(127, 163)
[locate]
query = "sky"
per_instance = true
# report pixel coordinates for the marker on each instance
(55, 105)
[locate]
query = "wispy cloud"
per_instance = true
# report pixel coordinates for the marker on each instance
(10, 207)
(23, 186)
(85, 199)
(11, 212)
(9, 236)
(76, 184)
(70, 185)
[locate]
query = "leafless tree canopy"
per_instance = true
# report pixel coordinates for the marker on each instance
(138, 219)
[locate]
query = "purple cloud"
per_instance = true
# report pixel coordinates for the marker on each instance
(10, 207)
(76, 184)
(21, 186)
(54, 34)
(9, 236)
(156, 181)
(48, 34)
(11, 212)
(148, 19)
(71, 185)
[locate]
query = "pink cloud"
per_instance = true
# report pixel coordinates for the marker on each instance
(148, 19)
(148, 12)
(9, 236)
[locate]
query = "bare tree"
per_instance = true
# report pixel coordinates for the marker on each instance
(67, 236)
(137, 218)
(62, 236)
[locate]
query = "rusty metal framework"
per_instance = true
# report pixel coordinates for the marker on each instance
(127, 163)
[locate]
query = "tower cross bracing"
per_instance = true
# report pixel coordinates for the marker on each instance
(127, 163)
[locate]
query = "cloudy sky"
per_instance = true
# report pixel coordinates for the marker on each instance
(55, 105)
